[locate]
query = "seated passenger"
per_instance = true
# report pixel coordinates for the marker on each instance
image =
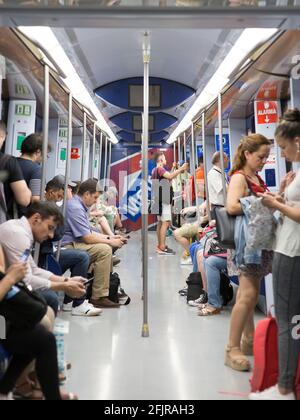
(17, 236)
(215, 182)
(104, 215)
(31, 157)
(79, 236)
(28, 345)
(189, 231)
(15, 188)
(70, 259)
(213, 267)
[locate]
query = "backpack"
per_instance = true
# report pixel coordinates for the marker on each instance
(116, 293)
(266, 358)
(195, 286)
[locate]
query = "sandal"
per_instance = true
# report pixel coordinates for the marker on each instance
(247, 346)
(209, 311)
(238, 362)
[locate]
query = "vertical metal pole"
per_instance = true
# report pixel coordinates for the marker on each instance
(205, 166)
(174, 148)
(109, 162)
(193, 145)
(184, 147)
(45, 147)
(68, 164)
(105, 161)
(83, 147)
(100, 157)
(45, 131)
(222, 147)
(179, 154)
(93, 152)
(145, 142)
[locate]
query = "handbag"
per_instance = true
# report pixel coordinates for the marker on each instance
(225, 224)
(25, 309)
(213, 248)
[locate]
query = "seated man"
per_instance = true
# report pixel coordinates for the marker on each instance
(17, 236)
(189, 231)
(70, 259)
(79, 236)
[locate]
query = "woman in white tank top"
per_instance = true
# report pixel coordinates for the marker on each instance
(286, 266)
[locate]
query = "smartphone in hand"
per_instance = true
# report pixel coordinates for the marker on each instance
(25, 256)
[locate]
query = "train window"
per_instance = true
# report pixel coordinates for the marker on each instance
(138, 123)
(138, 138)
(136, 96)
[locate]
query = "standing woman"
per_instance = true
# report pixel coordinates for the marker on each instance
(249, 159)
(286, 266)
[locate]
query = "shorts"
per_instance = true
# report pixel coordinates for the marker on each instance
(166, 215)
(189, 230)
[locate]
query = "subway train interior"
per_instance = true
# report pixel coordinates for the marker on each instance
(141, 258)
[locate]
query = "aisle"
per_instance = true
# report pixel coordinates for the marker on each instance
(182, 359)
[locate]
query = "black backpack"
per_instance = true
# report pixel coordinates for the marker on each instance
(195, 286)
(226, 289)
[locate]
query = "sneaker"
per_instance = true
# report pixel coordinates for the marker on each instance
(193, 303)
(271, 394)
(184, 291)
(186, 261)
(203, 299)
(67, 307)
(86, 309)
(167, 251)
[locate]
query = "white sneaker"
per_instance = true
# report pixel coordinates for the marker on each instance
(271, 394)
(8, 397)
(67, 307)
(186, 261)
(193, 303)
(86, 309)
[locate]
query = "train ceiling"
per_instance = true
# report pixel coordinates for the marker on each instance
(111, 64)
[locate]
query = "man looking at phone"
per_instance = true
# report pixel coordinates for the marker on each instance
(75, 261)
(17, 236)
(80, 236)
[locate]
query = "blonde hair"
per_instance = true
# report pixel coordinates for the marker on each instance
(249, 144)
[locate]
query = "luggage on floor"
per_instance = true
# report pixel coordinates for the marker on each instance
(195, 286)
(116, 293)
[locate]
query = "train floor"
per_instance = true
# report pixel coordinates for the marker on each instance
(182, 360)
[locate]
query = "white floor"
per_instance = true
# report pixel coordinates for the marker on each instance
(182, 359)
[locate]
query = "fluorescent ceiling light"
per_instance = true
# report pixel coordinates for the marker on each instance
(48, 40)
(248, 41)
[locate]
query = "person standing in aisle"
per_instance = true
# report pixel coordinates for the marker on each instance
(286, 266)
(164, 201)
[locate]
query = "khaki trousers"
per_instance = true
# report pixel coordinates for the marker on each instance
(101, 258)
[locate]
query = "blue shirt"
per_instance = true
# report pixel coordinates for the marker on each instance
(76, 222)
